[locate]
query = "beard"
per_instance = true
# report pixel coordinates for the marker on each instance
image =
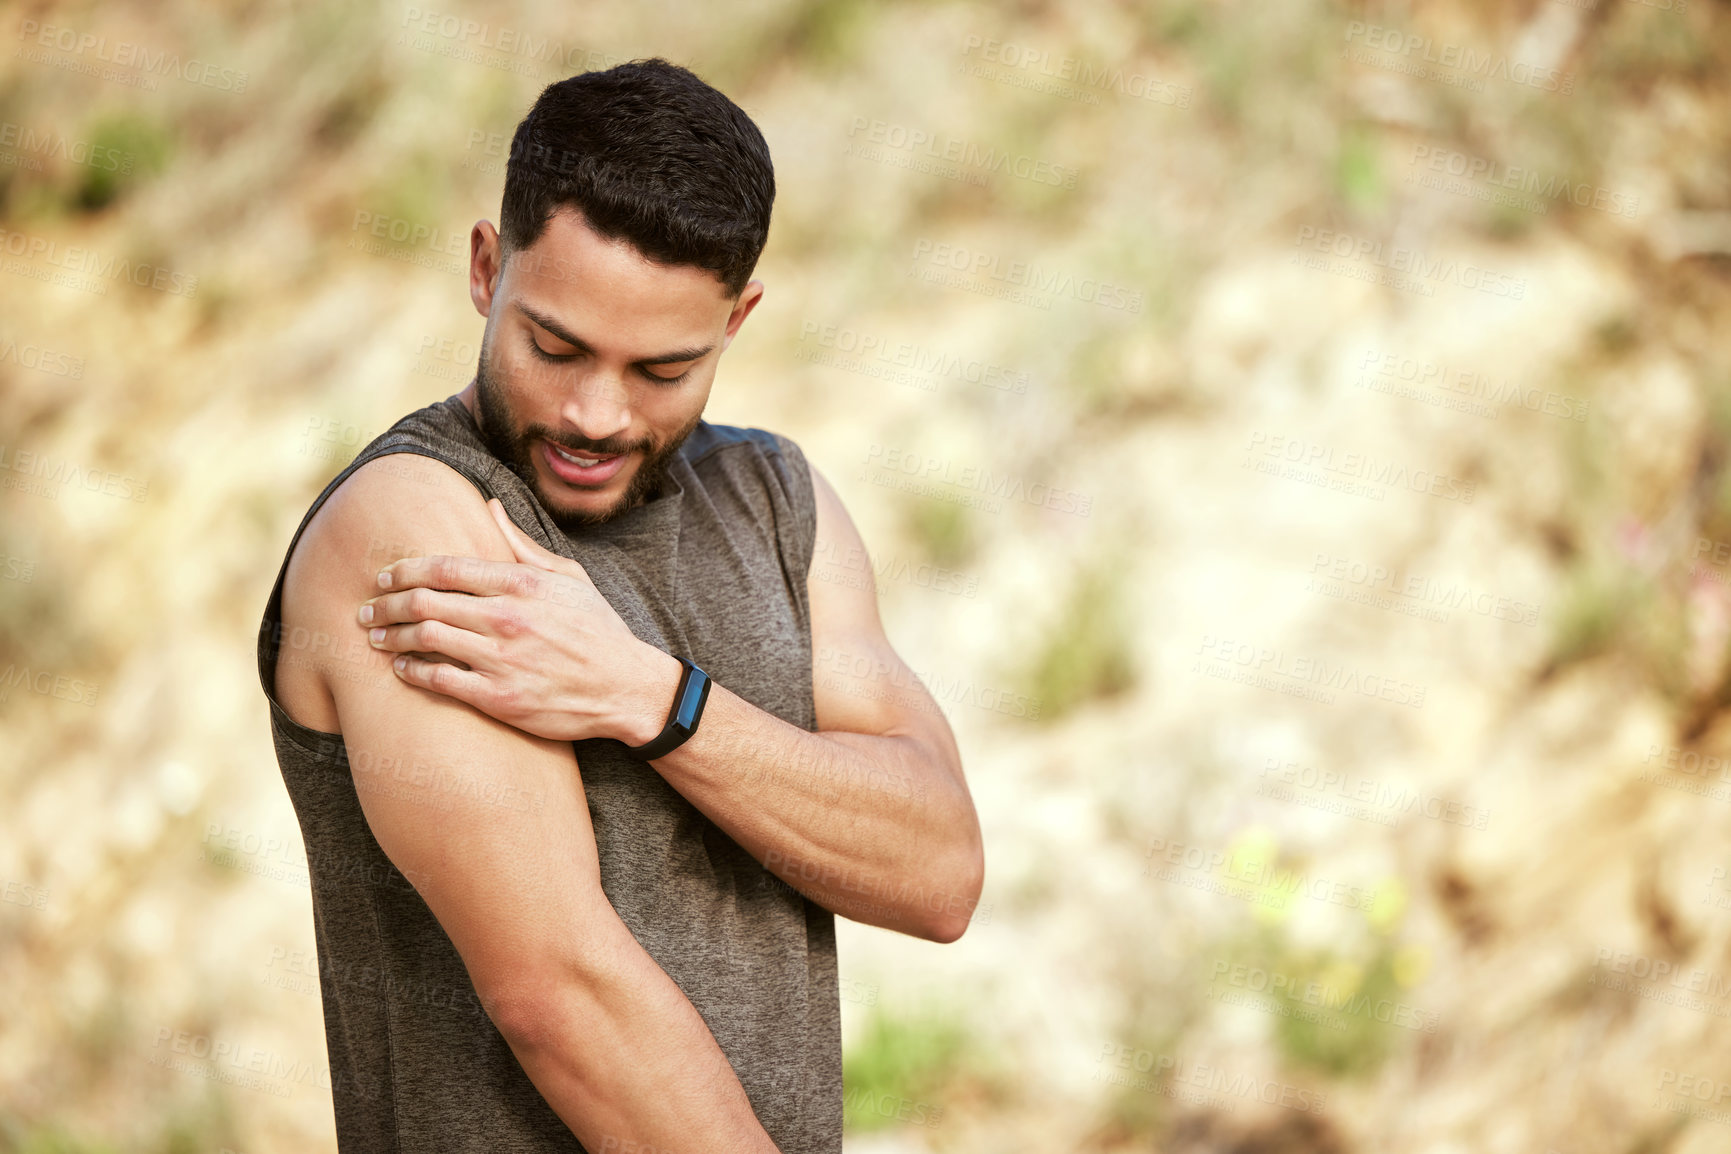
(515, 447)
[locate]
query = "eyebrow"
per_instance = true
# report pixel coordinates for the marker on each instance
(678, 356)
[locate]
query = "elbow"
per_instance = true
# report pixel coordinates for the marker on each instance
(528, 1012)
(945, 930)
(951, 916)
(544, 985)
(540, 1006)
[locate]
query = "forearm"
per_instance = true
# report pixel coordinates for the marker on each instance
(617, 1050)
(879, 829)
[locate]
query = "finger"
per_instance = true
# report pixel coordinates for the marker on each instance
(527, 552)
(464, 610)
(462, 685)
(458, 574)
(471, 649)
(527, 549)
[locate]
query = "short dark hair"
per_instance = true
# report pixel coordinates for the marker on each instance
(651, 155)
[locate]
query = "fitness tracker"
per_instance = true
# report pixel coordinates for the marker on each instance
(682, 719)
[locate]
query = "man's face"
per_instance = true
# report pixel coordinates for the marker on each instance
(595, 364)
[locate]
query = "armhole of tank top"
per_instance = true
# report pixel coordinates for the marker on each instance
(793, 475)
(312, 740)
(803, 498)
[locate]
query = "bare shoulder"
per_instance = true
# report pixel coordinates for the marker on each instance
(488, 822)
(395, 506)
(401, 505)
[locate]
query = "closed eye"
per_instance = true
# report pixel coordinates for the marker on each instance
(645, 370)
(543, 354)
(661, 380)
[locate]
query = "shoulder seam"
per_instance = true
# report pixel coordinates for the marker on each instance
(773, 446)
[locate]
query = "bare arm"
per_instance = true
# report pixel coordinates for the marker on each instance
(870, 817)
(609, 1040)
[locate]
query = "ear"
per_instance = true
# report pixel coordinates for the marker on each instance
(748, 298)
(486, 265)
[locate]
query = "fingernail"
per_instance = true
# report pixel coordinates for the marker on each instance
(366, 615)
(384, 579)
(377, 636)
(400, 664)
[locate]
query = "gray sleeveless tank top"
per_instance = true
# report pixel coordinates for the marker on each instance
(714, 569)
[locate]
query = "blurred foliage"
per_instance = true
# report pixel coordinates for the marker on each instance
(1086, 653)
(943, 531)
(206, 1126)
(142, 148)
(1634, 49)
(825, 33)
(910, 1063)
(68, 173)
(1137, 1111)
(414, 195)
(1337, 1013)
(1339, 1040)
(1358, 172)
(1605, 608)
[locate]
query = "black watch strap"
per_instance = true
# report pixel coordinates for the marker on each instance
(682, 719)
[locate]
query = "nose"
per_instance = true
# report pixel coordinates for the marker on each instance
(598, 406)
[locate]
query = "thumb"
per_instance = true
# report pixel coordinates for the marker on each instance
(526, 549)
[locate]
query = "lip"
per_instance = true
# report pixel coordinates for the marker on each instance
(579, 478)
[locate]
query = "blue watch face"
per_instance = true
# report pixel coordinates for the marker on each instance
(693, 691)
(691, 701)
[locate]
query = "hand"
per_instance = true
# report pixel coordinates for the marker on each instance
(537, 646)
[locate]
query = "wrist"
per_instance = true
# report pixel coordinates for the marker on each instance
(650, 697)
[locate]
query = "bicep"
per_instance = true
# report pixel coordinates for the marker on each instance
(860, 684)
(489, 822)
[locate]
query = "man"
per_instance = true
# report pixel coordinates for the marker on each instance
(560, 894)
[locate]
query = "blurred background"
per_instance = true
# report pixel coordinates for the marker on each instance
(1293, 447)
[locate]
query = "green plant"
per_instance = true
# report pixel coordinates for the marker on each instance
(125, 151)
(900, 1068)
(942, 530)
(1086, 655)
